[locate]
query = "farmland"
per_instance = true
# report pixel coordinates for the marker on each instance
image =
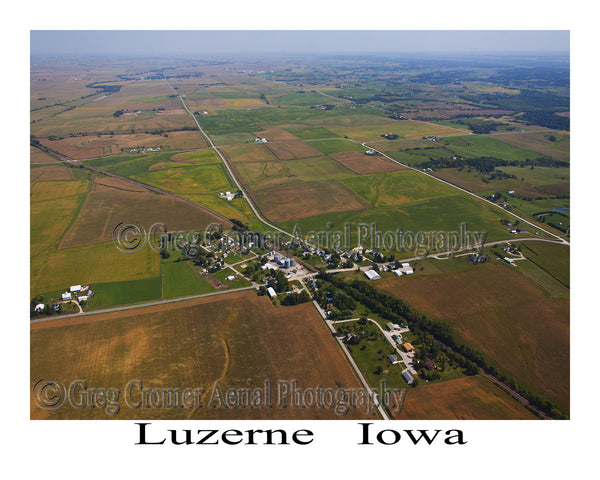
(291, 148)
(467, 398)
(229, 339)
(505, 315)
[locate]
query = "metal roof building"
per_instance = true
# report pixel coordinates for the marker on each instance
(372, 275)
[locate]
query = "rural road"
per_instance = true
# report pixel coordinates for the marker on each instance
(229, 169)
(562, 240)
(139, 305)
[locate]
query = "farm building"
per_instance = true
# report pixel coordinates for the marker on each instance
(83, 298)
(393, 359)
(390, 326)
(372, 275)
(230, 278)
(39, 307)
(408, 347)
(408, 377)
(398, 272)
(429, 365)
(271, 292)
(66, 296)
(75, 288)
(397, 338)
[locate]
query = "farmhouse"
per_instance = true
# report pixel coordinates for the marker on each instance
(271, 292)
(230, 278)
(372, 275)
(83, 298)
(370, 152)
(66, 296)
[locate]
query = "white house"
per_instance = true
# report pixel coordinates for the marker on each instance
(83, 298)
(39, 307)
(230, 278)
(66, 296)
(271, 292)
(75, 288)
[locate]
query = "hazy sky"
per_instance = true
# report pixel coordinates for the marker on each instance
(159, 42)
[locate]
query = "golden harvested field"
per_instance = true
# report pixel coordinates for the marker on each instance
(231, 339)
(99, 263)
(293, 150)
(306, 199)
(538, 142)
(360, 163)
(38, 156)
(263, 174)
(466, 398)
(92, 146)
(112, 201)
(502, 313)
(50, 173)
(50, 190)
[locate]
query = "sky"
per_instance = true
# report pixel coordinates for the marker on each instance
(185, 42)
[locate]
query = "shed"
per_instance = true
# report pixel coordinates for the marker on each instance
(271, 292)
(372, 275)
(66, 296)
(40, 307)
(408, 377)
(408, 347)
(389, 325)
(75, 288)
(393, 359)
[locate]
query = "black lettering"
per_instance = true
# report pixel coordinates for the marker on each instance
(210, 433)
(423, 435)
(233, 432)
(365, 434)
(297, 433)
(459, 435)
(187, 441)
(394, 432)
(143, 436)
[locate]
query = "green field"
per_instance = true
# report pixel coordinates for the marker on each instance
(473, 146)
(312, 133)
(125, 293)
(181, 280)
(397, 188)
(327, 147)
(322, 168)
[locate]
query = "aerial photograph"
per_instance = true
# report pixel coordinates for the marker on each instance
(357, 225)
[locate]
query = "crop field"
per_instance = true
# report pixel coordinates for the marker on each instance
(473, 180)
(50, 173)
(321, 168)
(184, 180)
(538, 142)
(253, 152)
(467, 398)
(294, 201)
(92, 120)
(545, 191)
(263, 174)
(180, 279)
(194, 344)
(112, 201)
(327, 147)
(382, 190)
(553, 259)
(99, 263)
(539, 175)
(360, 163)
(232, 139)
(442, 214)
(38, 156)
(101, 145)
(401, 128)
(312, 133)
(293, 150)
(276, 134)
(503, 314)
(473, 146)
(126, 293)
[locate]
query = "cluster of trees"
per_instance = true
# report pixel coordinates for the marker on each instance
(103, 88)
(481, 127)
(118, 113)
(296, 298)
(471, 359)
(487, 165)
